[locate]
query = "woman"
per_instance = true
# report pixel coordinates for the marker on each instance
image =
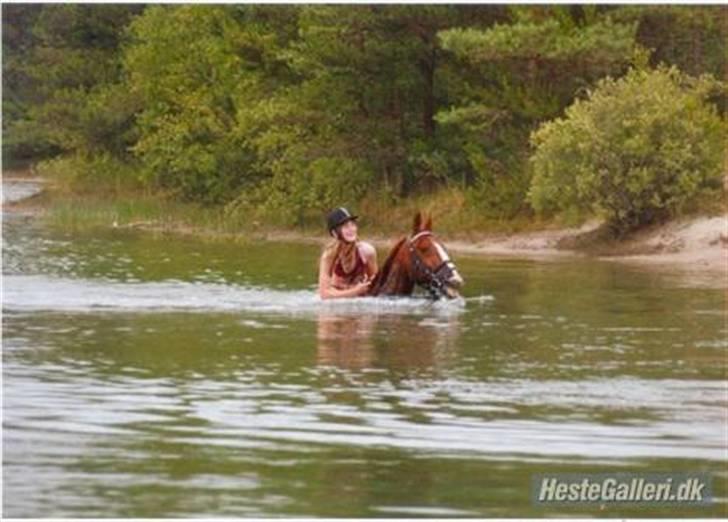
(347, 266)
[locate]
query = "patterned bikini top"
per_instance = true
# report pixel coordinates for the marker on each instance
(355, 274)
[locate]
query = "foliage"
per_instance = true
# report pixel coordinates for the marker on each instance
(292, 198)
(287, 110)
(693, 38)
(524, 70)
(100, 173)
(636, 149)
(64, 79)
(180, 64)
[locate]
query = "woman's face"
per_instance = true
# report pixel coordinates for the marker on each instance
(348, 231)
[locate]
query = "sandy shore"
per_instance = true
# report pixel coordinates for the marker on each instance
(695, 242)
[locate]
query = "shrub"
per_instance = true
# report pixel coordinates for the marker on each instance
(497, 192)
(301, 193)
(635, 151)
(85, 173)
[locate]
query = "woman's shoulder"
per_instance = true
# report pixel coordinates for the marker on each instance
(327, 253)
(367, 249)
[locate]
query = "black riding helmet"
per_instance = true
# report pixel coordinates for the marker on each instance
(337, 217)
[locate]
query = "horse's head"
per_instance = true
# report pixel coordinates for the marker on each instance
(431, 265)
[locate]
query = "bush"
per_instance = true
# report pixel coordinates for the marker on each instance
(90, 173)
(497, 192)
(635, 151)
(301, 193)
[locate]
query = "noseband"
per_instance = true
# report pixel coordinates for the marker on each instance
(434, 280)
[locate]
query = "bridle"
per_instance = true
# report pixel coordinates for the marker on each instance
(434, 280)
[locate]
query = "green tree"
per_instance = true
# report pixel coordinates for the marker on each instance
(18, 95)
(693, 38)
(516, 74)
(370, 74)
(74, 76)
(198, 71)
(359, 112)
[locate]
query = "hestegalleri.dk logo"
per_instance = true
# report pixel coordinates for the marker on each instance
(619, 488)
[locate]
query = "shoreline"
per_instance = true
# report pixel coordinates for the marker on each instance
(691, 242)
(695, 243)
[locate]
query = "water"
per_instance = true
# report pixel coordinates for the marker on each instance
(156, 376)
(19, 189)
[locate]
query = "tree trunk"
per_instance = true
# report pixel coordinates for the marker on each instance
(427, 66)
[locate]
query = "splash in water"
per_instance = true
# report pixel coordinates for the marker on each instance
(48, 293)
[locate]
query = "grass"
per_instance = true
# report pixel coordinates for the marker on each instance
(71, 205)
(139, 209)
(134, 210)
(452, 216)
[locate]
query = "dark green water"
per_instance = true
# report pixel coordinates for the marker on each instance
(150, 376)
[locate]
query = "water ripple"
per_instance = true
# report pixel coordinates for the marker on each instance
(26, 293)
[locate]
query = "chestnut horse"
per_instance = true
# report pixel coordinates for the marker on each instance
(418, 260)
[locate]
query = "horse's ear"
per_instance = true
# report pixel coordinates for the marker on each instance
(417, 225)
(428, 224)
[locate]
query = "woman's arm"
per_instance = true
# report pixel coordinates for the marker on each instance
(370, 255)
(327, 291)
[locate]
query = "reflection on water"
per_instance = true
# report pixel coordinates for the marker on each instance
(346, 341)
(158, 377)
(375, 341)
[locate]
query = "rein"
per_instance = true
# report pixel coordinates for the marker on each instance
(435, 280)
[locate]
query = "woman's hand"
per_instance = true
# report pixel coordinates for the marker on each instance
(362, 287)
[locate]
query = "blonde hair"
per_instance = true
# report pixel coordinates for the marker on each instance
(339, 249)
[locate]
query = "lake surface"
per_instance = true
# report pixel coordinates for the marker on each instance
(159, 376)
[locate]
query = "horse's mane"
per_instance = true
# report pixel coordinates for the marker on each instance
(383, 272)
